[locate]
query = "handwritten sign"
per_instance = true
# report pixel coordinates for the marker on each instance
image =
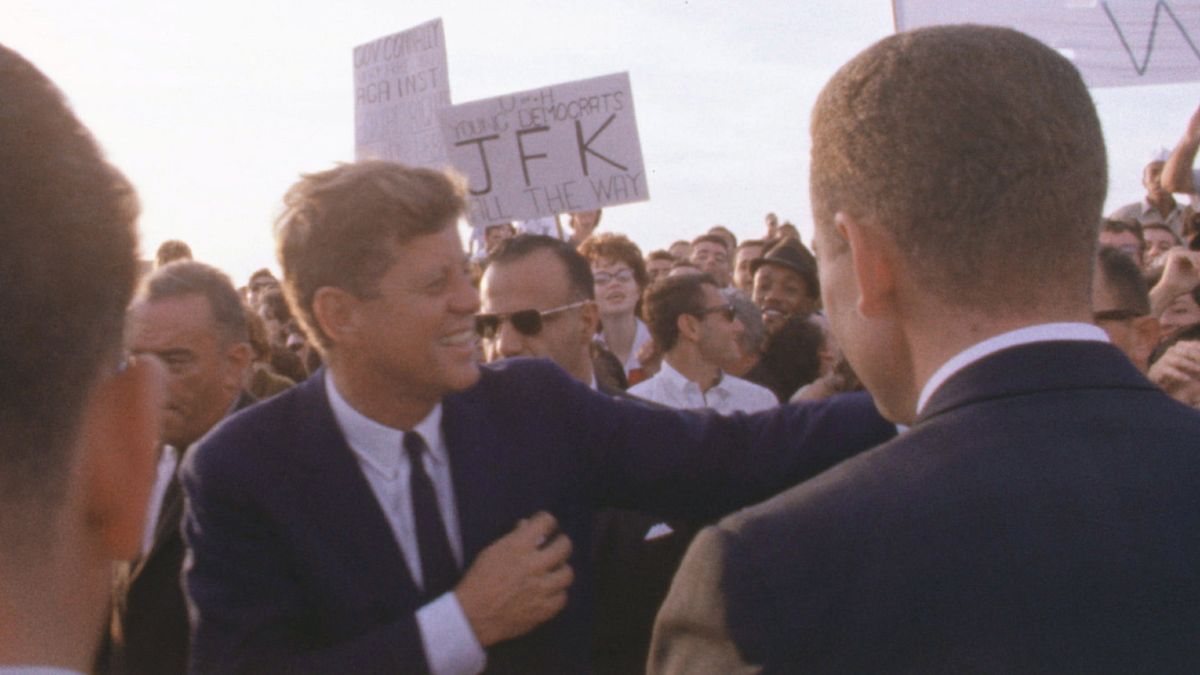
(569, 147)
(1113, 43)
(400, 82)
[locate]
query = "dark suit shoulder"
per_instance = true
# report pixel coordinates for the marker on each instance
(256, 433)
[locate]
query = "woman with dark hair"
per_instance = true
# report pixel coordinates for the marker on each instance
(619, 275)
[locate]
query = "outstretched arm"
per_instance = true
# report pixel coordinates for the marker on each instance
(1177, 174)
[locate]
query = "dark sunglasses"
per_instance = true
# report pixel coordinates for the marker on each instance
(726, 311)
(528, 322)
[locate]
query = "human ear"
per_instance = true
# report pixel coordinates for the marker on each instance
(875, 260)
(335, 311)
(589, 318)
(238, 357)
(119, 444)
(689, 327)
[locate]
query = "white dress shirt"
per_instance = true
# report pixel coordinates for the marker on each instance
(729, 395)
(1045, 332)
(450, 645)
(167, 462)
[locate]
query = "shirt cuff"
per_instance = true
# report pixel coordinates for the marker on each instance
(451, 647)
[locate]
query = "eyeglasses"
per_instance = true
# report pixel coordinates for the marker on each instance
(725, 310)
(528, 322)
(1115, 315)
(603, 278)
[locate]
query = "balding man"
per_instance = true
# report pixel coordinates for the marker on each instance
(1041, 511)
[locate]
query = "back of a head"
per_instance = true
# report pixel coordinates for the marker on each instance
(1124, 280)
(67, 270)
(170, 251)
(578, 271)
(995, 172)
(337, 224)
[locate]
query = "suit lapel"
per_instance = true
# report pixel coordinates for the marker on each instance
(1037, 367)
(338, 498)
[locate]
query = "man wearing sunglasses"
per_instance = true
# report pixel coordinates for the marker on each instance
(1121, 306)
(537, 299)
(697, 329)
(404, 509)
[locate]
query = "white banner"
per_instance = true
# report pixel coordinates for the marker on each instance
(400, 82)
(568, 147)
(1113, 43)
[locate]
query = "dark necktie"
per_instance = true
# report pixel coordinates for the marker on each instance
(438, 566)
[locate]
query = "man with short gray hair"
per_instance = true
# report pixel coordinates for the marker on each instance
(189, 316)
(1040, 513)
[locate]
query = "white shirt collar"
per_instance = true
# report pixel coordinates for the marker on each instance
(379, 444)
(680, 382)
(1045, 332)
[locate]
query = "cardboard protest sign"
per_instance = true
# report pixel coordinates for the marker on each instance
(568, 147)
(400, 82)
(1113, 44)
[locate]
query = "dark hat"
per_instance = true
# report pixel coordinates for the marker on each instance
(796, 257)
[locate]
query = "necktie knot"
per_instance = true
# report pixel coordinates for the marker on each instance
(415, 446)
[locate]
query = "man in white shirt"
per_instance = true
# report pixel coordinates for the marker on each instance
(78, 422)
(1045, 490)
(1158, 207)
(697, 329)
(307, 553)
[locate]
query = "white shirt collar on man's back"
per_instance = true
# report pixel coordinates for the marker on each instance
(1045, 332)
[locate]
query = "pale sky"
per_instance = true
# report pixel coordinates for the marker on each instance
(213, 109)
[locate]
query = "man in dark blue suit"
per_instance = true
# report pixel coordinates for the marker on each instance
(406, 510)
(1042, 512)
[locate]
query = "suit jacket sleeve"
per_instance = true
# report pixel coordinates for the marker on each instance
(691, 633)
(700, 465)
(246, 602)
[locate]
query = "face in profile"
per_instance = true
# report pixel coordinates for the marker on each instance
(719, 329)
(203, 370)
(417, 332)
(1181, 313)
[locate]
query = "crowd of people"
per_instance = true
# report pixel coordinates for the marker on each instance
(950, 432)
